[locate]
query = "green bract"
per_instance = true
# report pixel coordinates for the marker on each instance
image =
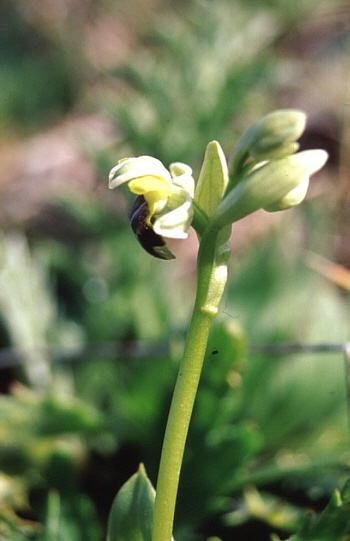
(213, 179)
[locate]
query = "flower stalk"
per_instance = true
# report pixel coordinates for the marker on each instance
(211, 279)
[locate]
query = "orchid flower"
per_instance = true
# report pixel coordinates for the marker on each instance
(265, 171)
(163, 207)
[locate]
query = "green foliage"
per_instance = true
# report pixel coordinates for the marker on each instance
(42, 447)
(39, 82)
(333, 524)
(132, 510)
(258, 419)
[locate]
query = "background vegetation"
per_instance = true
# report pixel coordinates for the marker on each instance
(92, 328)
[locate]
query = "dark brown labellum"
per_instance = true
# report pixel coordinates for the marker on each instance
(151, 242)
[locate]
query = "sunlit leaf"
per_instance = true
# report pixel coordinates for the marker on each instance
(131, 515)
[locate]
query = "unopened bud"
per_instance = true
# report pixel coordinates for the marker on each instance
(272, 137)
(275, 135)
(277, 185)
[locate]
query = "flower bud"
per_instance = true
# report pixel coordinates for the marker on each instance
(293, 198)
(272, 137)
(276, 185)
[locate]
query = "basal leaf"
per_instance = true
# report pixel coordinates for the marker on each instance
(131, 514)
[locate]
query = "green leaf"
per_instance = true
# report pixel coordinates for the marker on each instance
(333, 524)
(213, 179)
(131, 515)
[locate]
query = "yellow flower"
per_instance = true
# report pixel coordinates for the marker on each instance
(168, 194)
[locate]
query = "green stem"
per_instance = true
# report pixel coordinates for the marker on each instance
(200, 219)
(186, 386)
(177, 426)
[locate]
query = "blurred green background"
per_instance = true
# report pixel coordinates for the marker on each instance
(92, 328)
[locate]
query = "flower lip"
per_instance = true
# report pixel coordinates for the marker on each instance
(150, 241)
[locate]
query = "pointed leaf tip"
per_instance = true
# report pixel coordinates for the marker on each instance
(213, 178)
(131, 514)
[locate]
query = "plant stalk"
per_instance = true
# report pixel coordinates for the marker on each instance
(186, 386)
